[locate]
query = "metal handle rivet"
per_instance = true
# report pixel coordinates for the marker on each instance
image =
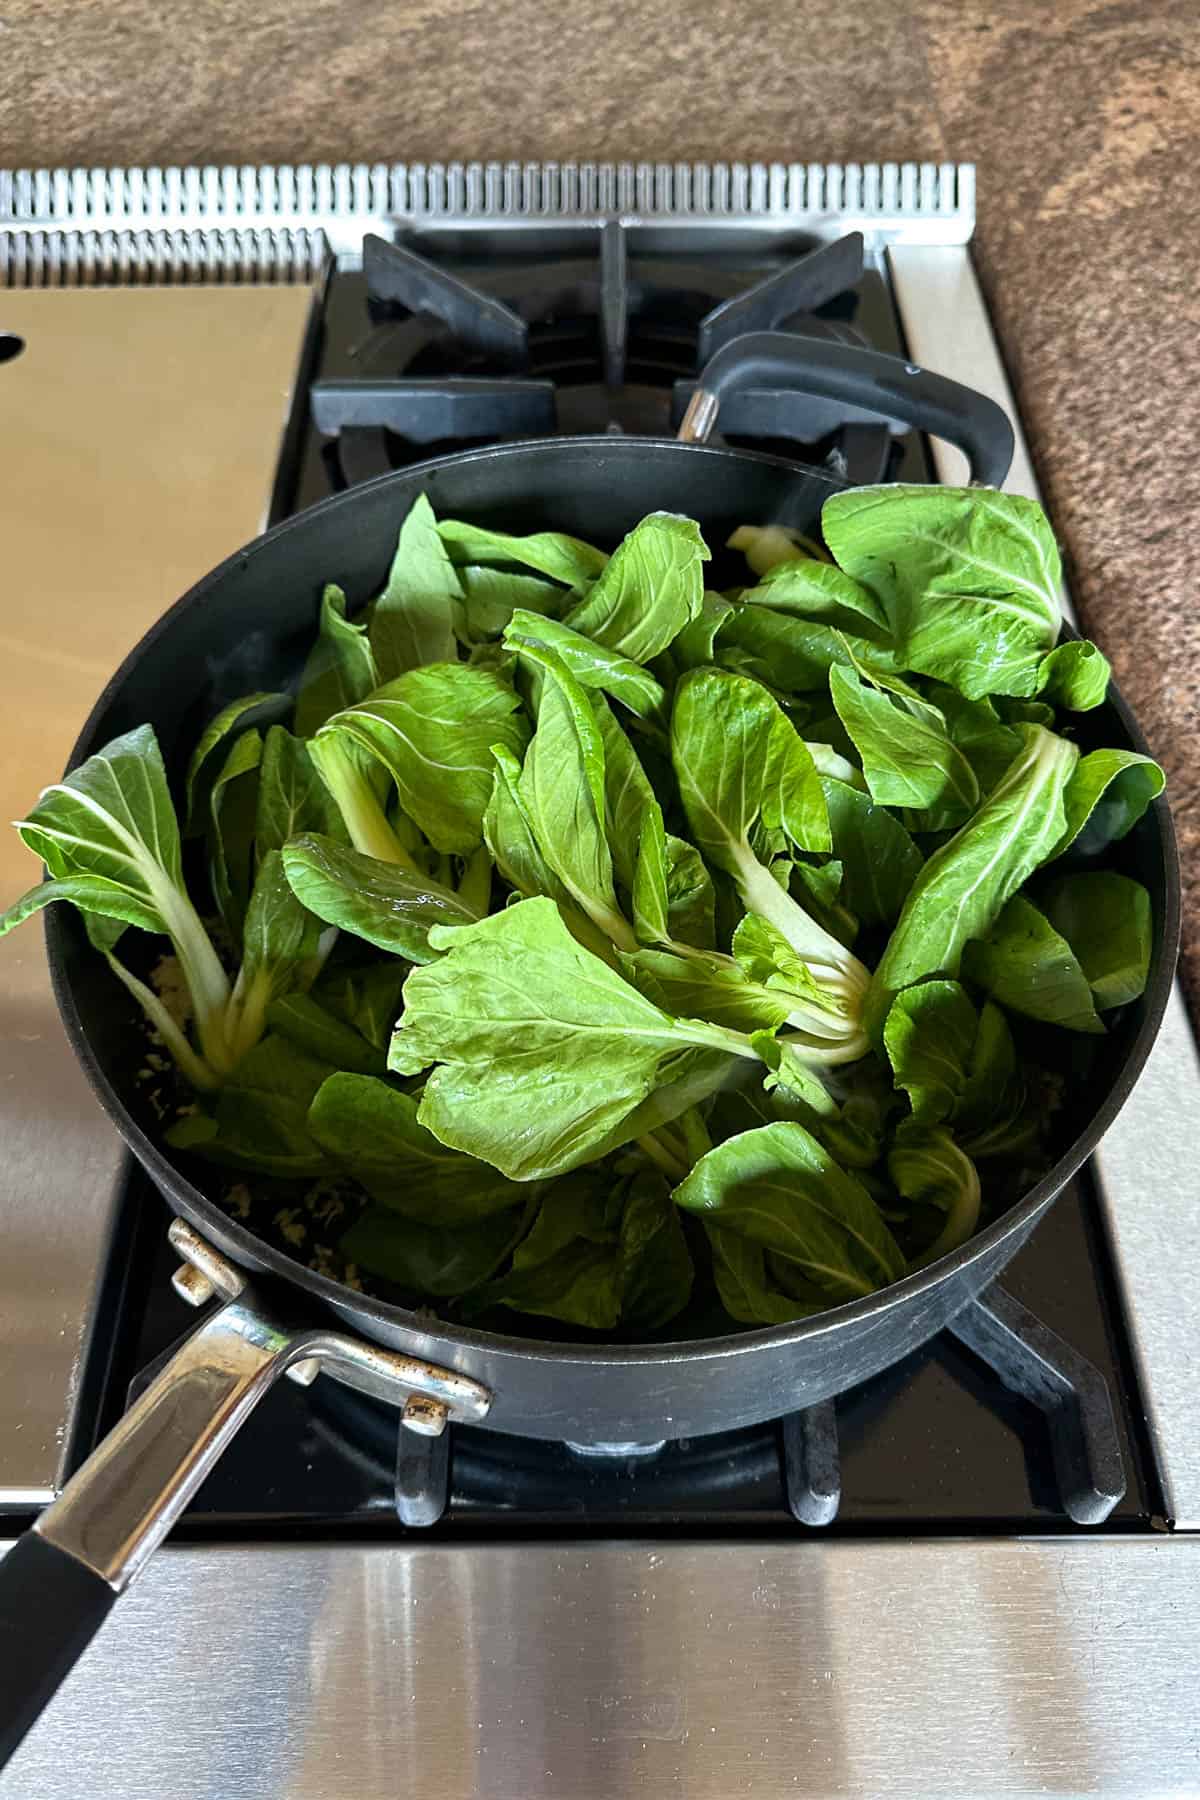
(424, 1415)
(192, 1285)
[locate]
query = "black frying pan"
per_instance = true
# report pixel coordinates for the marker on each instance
(247, 626)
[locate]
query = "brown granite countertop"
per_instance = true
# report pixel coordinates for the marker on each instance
(1083, 118)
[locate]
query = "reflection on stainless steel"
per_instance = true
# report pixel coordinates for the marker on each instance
(911, 1669)
(116, 1510)
(1146, 1166)
(140, 431)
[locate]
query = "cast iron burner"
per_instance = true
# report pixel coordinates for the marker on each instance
(419, 356)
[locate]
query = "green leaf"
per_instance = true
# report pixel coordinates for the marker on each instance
(443, 1263)
(1106, 919)
(627, 793)
(368, 998)
(552, 553)
(509, 835)
(391, 907)
(432, 729)
(292, 798)
(908, 758)
(969, 578)
(568, 1267)
(820, 893)
(358, 787)
(592, 665)
(371, 1130)
(744, 1285)
(280, 955)
(960, 891)
(649, 886)
(707, 986)
(766, 957)
(930, 1169)
(542, 1049)
(563, 792)
(340, 668)
(738, 760)
(855, 1134)
(803, 588)
(779, 1187)
(692, 647)
(112, 817)
(260, 1121)
(1107, 795)
(233, 807)
(794, 654)
(279, 939)
(1075, 675)
(672, 891)
(1025, 965)
(494, 595)
(995, 1116)
(92, 894)
(879, 860)
(110, 824)
(1023, 712)
(413, 620)
(651, 587)
(987, 741)
(929, 1035)
(794, 1078)
(743, 770)
(691, 901)
(304, 1022)
(230, 722)
(992, 1073)
(654, 1265)
(595, 1256)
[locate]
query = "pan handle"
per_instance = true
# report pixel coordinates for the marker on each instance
(858, 377)
(60, 1580)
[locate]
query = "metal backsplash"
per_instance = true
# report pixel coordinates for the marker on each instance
(117, 227)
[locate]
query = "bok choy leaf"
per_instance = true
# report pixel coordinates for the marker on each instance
(110, 825)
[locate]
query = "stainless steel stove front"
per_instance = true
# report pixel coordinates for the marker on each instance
(915, 1670)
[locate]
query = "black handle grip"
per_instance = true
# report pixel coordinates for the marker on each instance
(51, 1608)
(870, 379)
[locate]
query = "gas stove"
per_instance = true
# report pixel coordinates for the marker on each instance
(971, 1574)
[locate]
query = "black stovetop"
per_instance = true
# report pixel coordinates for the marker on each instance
(417, 355)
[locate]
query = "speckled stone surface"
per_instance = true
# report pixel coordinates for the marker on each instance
(1084, 119)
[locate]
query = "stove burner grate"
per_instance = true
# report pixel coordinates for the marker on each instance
(442, 357)
(799, 1454)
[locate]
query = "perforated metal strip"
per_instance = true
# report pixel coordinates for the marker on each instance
(102, 197)
(261, 223)
(149, 258)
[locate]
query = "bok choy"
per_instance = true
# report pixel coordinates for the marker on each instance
(572, 939)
